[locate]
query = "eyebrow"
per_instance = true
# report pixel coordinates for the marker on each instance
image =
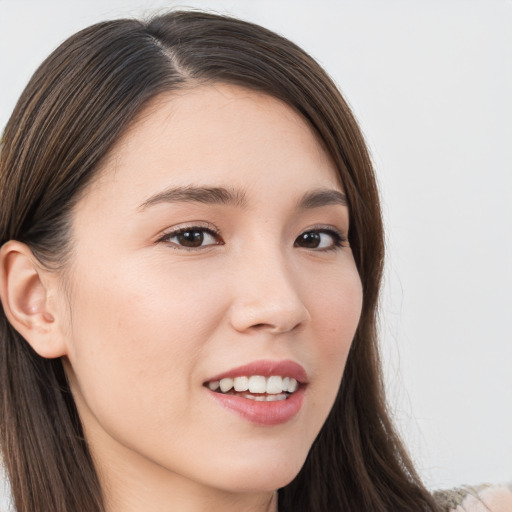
(222, 195)
(322, 197)
(193, 194)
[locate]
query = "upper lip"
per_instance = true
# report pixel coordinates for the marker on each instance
(266, 368)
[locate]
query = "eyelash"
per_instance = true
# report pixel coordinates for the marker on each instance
(192, 229)
(338, 239)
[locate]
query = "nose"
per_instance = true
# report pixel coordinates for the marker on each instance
(267, 296)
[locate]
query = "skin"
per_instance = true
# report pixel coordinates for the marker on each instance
(142, 322)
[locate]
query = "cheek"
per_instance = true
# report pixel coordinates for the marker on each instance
(335, 312)
(129, 328)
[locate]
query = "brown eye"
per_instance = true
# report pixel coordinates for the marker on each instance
(325, 239)
(310, 240)
(192, 238)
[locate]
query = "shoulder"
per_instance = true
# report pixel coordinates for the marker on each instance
(480, 498)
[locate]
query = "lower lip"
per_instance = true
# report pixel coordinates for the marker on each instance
(262, 413)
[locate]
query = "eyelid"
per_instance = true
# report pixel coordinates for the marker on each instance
(340, 237)
(326, 228)
(189, 226)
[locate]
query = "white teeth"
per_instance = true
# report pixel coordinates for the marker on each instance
(274, 385)
(275, 398)
(257, 384)
(270, 398)
(226, 384)
(241, 383)
(292, 386)
(213, 385)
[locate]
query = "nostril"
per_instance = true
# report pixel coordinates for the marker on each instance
(275, 316)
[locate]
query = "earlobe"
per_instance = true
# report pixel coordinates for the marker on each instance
(25, 299)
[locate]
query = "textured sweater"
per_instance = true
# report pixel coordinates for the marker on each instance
(481, 498)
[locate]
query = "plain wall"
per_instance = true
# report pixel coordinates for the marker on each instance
(431, 84)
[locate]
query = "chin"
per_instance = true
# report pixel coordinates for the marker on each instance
(260, 475)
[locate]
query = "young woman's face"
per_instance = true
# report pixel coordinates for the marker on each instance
(211, 246)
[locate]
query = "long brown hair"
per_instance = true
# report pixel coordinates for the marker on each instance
(76, 106)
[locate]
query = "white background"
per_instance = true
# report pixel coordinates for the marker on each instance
(431, 84)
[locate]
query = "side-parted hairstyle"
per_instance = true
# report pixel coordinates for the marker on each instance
(74, 109)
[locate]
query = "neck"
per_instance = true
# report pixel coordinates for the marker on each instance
(134, 485)
(177, 494)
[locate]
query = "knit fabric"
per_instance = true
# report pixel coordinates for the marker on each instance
(480, 498)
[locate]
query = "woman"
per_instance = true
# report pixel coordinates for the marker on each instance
(191, 256)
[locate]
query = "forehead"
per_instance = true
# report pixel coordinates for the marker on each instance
(215, 135)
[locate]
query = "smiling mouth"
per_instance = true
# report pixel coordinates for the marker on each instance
(256, 387)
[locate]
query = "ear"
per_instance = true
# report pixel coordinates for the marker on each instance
(25, 292)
